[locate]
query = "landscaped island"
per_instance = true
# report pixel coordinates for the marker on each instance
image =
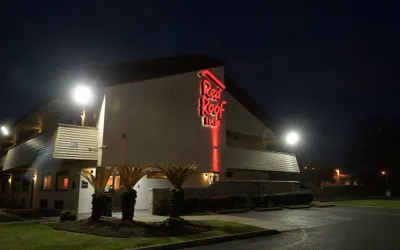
(40, 236)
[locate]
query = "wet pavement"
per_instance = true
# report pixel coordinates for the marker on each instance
(324, 228)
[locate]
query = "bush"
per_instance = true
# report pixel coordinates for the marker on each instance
(219, 202)
(298, 198)
(237, 201)
(257, 201)
(279, 199)
(205, 204)
(223, 202)
(191, 205)
(264, 200)
(67, 216)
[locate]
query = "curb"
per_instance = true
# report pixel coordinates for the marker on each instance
(262, 209)
(231, 211)
(209, 241)
(298, 206)
(325, 205)
(345, 205)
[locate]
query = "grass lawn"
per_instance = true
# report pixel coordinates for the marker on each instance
(372, 203)
(39, 236)
(5, 218)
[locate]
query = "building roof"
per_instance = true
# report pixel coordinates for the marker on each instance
(156, 68)
(120, 73)
(153, 68)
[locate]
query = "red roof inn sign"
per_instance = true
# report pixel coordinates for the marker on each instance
(211, 107)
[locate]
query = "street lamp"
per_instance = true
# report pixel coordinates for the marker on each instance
(4, 131)
(82, 95)
(388, 193)
(292, 138)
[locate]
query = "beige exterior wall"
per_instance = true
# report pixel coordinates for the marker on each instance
(239, 119)
(161, 122)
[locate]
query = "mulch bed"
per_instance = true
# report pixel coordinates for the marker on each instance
(122, 229)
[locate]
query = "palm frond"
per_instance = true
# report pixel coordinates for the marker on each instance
(130, 174)
(177, 174)
(100, 179)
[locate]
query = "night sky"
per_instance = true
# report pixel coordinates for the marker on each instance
(317, 66)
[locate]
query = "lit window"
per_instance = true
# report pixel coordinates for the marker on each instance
(62, 181)
(46, 182)
(156, 175)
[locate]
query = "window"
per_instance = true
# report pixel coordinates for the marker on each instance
(59, 204)
(3, 186)
(16, 183)
(25, 183)
(156, 175)
(43, 203)
(46, 182)
(62, 181)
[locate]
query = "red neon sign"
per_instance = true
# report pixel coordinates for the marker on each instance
(211, 107)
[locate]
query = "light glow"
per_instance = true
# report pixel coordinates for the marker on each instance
(4, 130)
(82, 94)
(292, 138)
(383, 173)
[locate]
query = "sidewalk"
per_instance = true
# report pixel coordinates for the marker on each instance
(145, 217)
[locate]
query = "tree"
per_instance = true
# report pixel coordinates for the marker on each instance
(98, 182)
(177, 175)
(130, 174)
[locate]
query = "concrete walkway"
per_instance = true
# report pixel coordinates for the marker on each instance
(145, 217)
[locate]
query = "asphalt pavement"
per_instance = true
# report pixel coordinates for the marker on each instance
(324, 228)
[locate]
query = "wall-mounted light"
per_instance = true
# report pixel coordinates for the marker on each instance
(9, 180)
(205, 175)
(4, 130)
(34, 176)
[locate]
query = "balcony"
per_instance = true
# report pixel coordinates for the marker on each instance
(67, 142)
(75, 142)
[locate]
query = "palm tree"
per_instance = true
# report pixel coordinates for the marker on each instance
(177, 175)
(130, 174)
(98, 182)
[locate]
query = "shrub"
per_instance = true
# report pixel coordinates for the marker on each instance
(257, 201)
(67, 216)
(191, 205)
(236, 201)
(219, 202)
(268, 200)
(205, 204)
(279, 199)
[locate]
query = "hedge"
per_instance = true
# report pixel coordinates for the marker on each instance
(284, 199)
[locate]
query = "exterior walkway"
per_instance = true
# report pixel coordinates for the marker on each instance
(143, 215)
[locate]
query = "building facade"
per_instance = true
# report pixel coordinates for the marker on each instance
(174, 110)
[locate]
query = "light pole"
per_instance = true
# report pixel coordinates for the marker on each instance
(82, 95)
(388, 193)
